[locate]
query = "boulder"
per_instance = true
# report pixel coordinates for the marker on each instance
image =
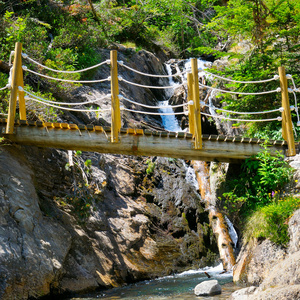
(208, 288)
(243, 294)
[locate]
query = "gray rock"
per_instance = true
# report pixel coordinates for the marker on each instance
(243, 294)
(294, 232)
(208, 288)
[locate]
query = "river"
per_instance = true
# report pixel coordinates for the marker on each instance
(178, 286)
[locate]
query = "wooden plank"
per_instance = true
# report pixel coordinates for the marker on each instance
(139, 131)
(81, 126)
(144, 145)
(90, 127)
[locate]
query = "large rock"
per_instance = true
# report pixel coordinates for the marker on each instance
(208, 288)
(243, 294)
(255, 261)
(276, 271)
(33, 247)
(141, 226)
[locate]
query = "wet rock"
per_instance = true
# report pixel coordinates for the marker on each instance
(208, 288)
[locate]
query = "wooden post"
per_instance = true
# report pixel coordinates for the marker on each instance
(196, 96)
(22, 106)
(115, 102)
(287, 126)
(17, 66)
(191, 107)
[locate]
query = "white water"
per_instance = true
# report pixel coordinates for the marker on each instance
(233, 234)
(170, 122)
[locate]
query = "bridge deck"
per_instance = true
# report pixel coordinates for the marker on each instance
(136, 141)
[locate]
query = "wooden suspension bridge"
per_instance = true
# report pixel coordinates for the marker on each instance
(133, 141)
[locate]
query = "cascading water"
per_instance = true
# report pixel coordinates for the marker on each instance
(233, 234)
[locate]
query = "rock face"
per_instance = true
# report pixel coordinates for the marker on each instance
(208, 288)
(138, 224)
(274, 271)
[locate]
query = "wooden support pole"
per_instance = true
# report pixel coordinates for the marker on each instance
(22, 106)
(17, 66)
(287, 126)
(191, 107)
(115, 102)
(196, 96)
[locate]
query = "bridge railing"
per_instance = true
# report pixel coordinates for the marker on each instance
(193, 99)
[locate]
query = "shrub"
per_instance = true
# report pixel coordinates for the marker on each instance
(271, 221)
(257, 183)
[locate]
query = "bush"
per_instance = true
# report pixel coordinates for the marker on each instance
(256, 185)
(271, 221)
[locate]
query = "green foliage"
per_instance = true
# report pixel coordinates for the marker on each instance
(271, 221)
(151, 166)
(258, 183)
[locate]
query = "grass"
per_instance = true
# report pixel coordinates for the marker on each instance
(271, 221)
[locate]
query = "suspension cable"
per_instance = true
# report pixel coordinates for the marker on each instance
(63, 71)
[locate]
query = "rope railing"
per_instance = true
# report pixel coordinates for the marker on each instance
(4, 88)
(154, 113)
(150, 86)
(278, 90)
(66, 103)
(15, 82)
(150, 106)
(25, 68)
(121, 63)
(66, 108)
(24, 55)
(280, 109)
(241, 120)
(276, 77)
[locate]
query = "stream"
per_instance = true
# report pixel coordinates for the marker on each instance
(178, 286)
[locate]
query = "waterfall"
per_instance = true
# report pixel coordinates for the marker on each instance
(198, 175)
(233, 234)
